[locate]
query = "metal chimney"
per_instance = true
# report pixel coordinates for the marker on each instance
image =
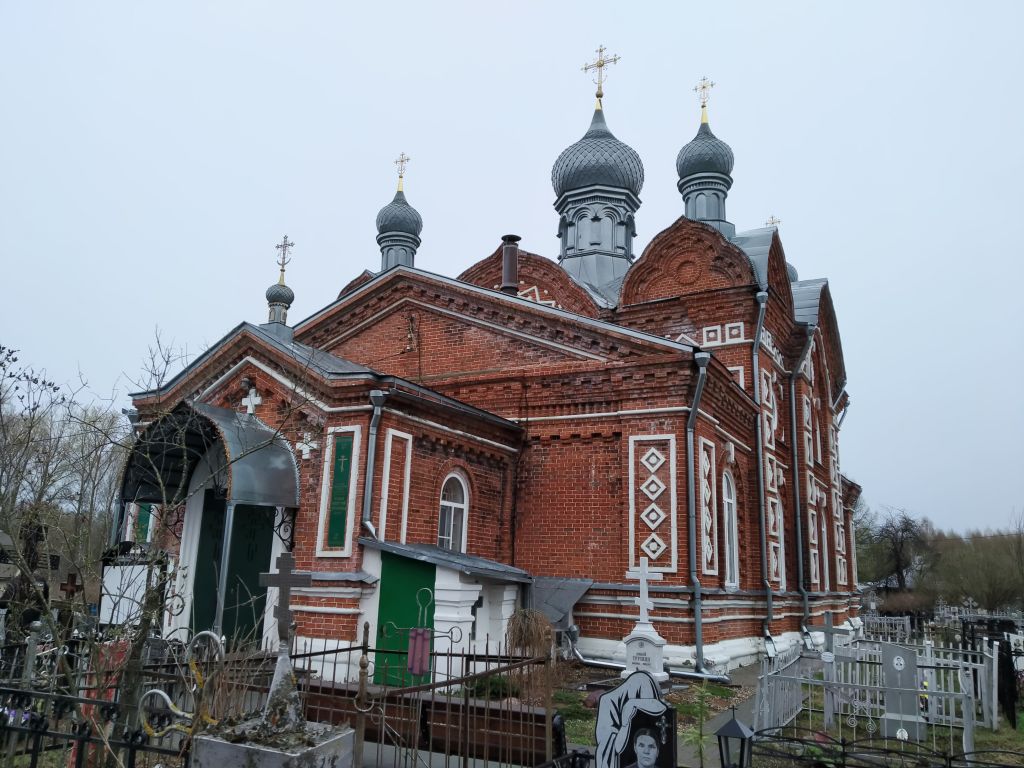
(510, 264)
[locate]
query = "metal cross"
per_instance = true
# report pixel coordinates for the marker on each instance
(829, 630)
(772, 221)
(284, 247)
(644, 601)
(285, 578)
(252, 401)
(401, 162)
(702, 89)
(71, 587)
(599, 64)
(306, 445)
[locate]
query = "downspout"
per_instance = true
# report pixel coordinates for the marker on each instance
(701, 359)
(377, 398)
(796, 473)
(762, 301)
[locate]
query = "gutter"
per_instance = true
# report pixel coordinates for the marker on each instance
(801, 587)
(762, 301)
(701, 359)
(377, 398)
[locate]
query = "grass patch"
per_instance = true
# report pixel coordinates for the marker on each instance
(721, 691)
(579, 720)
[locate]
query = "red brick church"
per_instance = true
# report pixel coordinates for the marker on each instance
(522, 434)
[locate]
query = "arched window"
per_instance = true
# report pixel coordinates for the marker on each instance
(732, 535)
(451, 528)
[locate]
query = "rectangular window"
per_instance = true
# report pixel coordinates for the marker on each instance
(341, 480)
(143, 515)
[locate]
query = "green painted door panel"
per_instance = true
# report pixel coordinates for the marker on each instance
(252, 538)
(207, 570)
(400, 580)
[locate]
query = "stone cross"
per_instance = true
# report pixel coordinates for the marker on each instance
(598, 65)
(285, 578)
(306, 445)
(644, 602)
(829, 631)
(252, 401)
(71, 587)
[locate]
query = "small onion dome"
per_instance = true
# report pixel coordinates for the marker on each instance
(791, 271)
(279, 293)
(705, 154)
(399, 216)
(598, 158)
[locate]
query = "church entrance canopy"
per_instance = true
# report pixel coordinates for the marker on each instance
(259, 465)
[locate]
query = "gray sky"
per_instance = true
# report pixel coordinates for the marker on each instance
(152, 154)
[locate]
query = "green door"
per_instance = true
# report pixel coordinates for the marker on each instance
(252, 537)
(401, 579)
(207, 568)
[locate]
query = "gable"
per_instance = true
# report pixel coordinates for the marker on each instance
(540, 280)
(688, 257)
(416, 340)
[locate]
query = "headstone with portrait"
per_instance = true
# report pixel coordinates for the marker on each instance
(635, 728)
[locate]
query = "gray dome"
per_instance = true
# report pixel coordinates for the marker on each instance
(279, 293)
(598, 158)
(399, 216)
(791, 271)
(705, 154)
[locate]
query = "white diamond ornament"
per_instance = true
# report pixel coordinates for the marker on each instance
(653, 488)
(653, 546)
(653, 516)
(652, 460)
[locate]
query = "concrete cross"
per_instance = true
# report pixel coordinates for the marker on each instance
(829, 630)
(71, 587)
(285, 578)
(306, 445)
(252, 401)
(644, 601)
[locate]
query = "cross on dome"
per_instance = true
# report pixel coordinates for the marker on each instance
(598, 66)
(283, 247)
(402, 161)
(703, 90)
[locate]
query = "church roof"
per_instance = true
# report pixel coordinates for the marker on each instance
(446, 558)
(756, 243)
(598, 159)
(318, 361)
(806, 298)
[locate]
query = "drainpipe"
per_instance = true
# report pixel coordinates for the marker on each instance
(377, 398)
(701, 359)
(762, 301)
(796, 472)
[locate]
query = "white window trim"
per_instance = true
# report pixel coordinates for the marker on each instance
(731, 531)
(464, 481)
(325, 493)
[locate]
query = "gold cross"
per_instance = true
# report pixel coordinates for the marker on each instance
(283, 247)
(703, 88)
(599, 65)
(772, 221)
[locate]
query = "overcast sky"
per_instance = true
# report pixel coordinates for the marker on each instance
(152, 154)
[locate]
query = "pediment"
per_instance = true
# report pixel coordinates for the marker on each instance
(688, 257)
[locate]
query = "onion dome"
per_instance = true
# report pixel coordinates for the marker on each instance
(399, 216)
(279, 293)
(598, 159)
(706, 153)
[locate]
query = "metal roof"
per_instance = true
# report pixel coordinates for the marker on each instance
(259, 469)
(598, 159)
(323, 363)
(806, 298)
(756, 243)
(555, 597)
(457, 561)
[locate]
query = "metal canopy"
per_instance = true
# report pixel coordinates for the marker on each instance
(259, 465)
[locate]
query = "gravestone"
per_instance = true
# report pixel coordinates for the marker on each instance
(635, 725)
(645, 648)
(902, 719)
(281, 737)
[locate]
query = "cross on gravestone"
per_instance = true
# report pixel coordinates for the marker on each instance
(285, 578)
(644, 602)
(829, 631)
(252, 401)
(306, 445)
(71, 587)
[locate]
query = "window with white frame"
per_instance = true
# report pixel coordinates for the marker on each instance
(732, 536)
(451, 528)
